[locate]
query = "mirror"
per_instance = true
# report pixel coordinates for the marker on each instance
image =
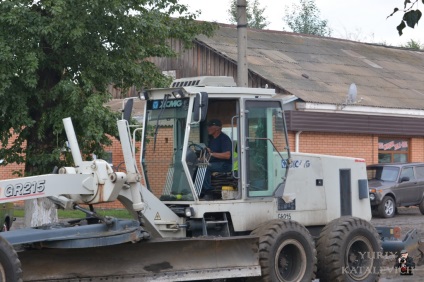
(200, 107)
(404, 179)
(128, 110)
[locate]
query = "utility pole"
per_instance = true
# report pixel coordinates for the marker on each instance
(242, 69)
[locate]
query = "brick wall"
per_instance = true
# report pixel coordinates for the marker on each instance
(7, 171)
(349, 145)
(417, 147)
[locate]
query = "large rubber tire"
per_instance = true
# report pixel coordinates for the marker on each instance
(10, 265)
(387, 207)
(349, 250)
(286, 252)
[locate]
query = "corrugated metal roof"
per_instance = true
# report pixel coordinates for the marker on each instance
(320, 69)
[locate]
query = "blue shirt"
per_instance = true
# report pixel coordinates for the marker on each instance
(222, 143)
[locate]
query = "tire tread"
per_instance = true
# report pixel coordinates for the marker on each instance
(268, 233)
(330, 243)
(10, 261)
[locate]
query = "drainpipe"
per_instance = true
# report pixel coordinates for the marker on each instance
(297, 141)
(242, 73)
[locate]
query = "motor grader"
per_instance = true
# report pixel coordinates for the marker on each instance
(278, 216)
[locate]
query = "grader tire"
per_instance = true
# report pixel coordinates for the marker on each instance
(10, 265)
(348, 250)
(286, 252)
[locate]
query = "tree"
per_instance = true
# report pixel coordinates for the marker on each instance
(57, 58)
(305, 18)
(410, 17)
(255, 14)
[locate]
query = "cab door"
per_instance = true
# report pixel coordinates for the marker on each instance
(266, 145)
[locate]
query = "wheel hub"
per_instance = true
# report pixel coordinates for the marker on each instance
(290, 261)
(359, 258)
(388, 207)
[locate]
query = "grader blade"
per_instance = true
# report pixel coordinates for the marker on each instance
(156, 259)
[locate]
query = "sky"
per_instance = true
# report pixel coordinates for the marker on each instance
(358, 20)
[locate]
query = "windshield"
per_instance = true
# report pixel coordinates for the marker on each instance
(384, 173)
(163, 149)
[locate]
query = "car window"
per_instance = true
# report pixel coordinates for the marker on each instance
(389, 173)
(419, 172)
(385, 173)
(407, 172)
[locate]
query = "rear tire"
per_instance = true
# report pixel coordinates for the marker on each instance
(10, 265)
(348, 250)
(387, 207)
(286, 252)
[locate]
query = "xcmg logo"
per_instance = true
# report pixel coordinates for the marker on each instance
(168, 105)
(295, 164)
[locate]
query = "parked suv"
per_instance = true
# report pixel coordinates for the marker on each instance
(395, 185)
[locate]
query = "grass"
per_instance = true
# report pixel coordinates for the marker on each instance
(78, 214)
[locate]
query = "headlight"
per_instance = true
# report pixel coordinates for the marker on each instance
(372, 196)
(189, 212)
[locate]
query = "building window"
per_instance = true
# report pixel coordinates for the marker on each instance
(393, 150)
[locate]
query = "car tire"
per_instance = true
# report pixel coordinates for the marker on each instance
(387, 207)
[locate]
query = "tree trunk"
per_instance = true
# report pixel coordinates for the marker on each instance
(39, 211)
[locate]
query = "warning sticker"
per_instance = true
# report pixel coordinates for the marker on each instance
(157, 217)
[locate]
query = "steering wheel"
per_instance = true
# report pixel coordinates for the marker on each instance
(196, 147)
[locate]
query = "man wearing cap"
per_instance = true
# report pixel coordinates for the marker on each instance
(219, 148)
(405, 263)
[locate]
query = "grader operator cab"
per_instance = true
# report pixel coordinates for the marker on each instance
(282, 216)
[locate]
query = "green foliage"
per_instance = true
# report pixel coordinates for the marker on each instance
(412, 44)
(254, 14)
(410, 17)
(57, 58)
(305, 18)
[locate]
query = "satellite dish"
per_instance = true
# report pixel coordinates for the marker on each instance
(351, 94)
